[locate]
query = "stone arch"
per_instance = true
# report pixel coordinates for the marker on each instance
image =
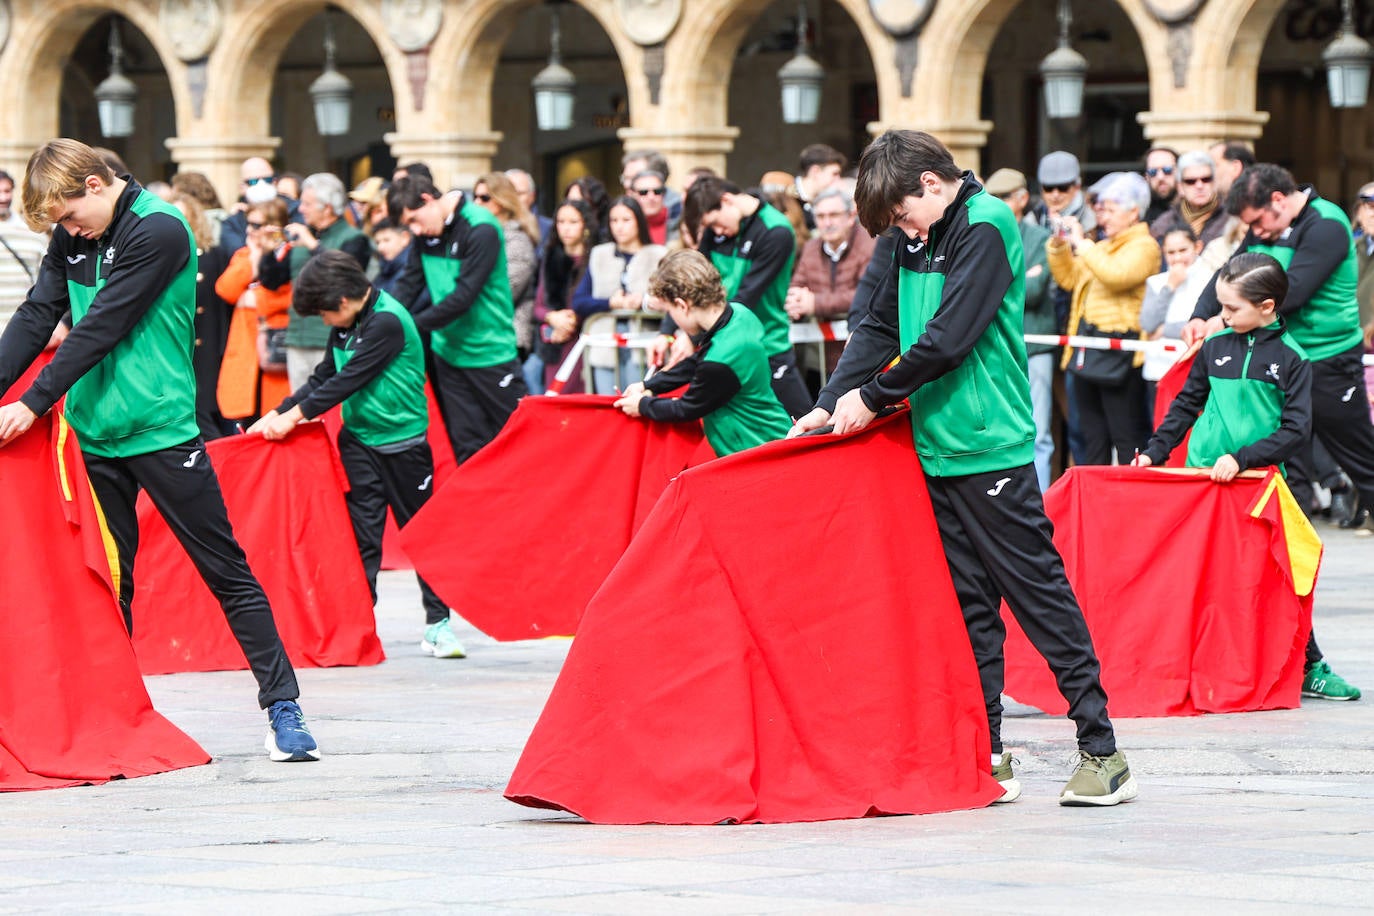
(701, 53)
(31, 76)
(1230, 36)
(463, 63)
(244, 63)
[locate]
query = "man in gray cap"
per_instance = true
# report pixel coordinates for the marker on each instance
(1061, 192)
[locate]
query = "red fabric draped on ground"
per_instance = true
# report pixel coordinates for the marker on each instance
(286, 502)
(73, 708)
(1190, 599)
(522, 535)
(771, 648)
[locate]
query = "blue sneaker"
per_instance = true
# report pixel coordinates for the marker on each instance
(288, 739)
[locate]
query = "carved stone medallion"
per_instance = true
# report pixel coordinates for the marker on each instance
(192, 26)
(901, 17)
(1171, 12)
(412, 24)
(649, 22)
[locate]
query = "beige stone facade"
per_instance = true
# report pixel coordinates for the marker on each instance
(1201, 71)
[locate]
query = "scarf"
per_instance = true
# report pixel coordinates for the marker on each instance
(1197, 216)
(658, 227)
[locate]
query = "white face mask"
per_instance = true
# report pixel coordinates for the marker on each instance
(260, 193)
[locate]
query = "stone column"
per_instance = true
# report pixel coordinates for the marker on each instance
(14, 158)
(456, 159)
(220, 158)
(685, 148)
(1190, 130)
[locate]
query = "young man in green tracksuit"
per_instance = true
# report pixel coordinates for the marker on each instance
(374, 364)
(956, 321)
(1248, 401)
(727, 376)
(460, 259)
(753, 247)
(124, 263)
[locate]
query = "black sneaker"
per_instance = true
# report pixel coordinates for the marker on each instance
(1344, 506)
(1358, 521)
(288, 740)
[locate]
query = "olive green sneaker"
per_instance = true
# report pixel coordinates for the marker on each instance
(1324, 684)
(1011, 786)
(1099, 781)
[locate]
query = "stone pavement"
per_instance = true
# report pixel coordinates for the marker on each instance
(1263, 812)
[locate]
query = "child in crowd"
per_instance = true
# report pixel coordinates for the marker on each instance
(375, 367)
(1248, 400)
(730, 388)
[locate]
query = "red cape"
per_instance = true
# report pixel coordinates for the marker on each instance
(73, 708)
(1166, 390)
(523, 534)
(803, 660)
(286, 503)
(1189, 597)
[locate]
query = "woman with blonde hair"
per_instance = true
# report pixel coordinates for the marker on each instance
(497, 193)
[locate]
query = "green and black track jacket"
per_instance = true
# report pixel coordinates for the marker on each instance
(957, 320)
(1247, 395)
(1318, 252)
(126, 365)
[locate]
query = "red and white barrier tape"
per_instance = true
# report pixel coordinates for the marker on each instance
(1107, 343)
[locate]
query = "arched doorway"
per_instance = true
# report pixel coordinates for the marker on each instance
(1107, 136)
(849, 98)
(145, 150)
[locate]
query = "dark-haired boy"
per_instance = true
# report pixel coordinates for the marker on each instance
(459, 257)
(956, 322)
(375, 366)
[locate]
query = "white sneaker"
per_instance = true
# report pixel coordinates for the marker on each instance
(440, 641)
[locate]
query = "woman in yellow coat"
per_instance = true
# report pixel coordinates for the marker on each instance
(1107, 280)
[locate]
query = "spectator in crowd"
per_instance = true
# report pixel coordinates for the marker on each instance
(635, 162)
(375, 368)
(1364, 261)
(1169, 300)
(1108, 283)
(1199, 207)
(366, 204)
(831, 264)
(819, 167)
(1161, 171)
(1009, 185)
(778, 191)
(213, 314)
(462, 254)
(23, 252)
(321, 227)
(1312, 237)
(412, 170)
(1061, 193)
(252, 375)
(258, 184)
(727, 373)
(617, 277)
(393, 253)
(496, 193)
(565, 260)
(529, 195)
(1230, 158)
(650, 190)
(593, 193)
(289, 185)
(753, 247)
(197, 185)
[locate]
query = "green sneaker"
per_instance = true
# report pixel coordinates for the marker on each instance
(440, 641)
(1099, 781)
(1011, 786)
(1324, 684)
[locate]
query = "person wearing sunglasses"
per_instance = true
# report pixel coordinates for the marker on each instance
(257, 185)
(1061, 193)
(1199, 207)
(650, 190)
(1161, 171)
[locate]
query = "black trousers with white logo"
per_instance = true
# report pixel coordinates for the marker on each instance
(788, 385)
(476, 403)
(401, 481)
(999, 545)
(183, 486)
(1340, 419)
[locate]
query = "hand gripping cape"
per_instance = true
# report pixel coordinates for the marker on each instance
(521, 536)
(286, 503)
(1198, 595)
(771, 648)
(73, 708)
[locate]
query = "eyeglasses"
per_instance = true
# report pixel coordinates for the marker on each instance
(645, 192)
(1367, 199)
(1056, 188)
(1160, 170)
(482, 198)
(1205, 179)
(252, 181)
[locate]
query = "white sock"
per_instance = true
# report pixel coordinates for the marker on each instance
(996, 759)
